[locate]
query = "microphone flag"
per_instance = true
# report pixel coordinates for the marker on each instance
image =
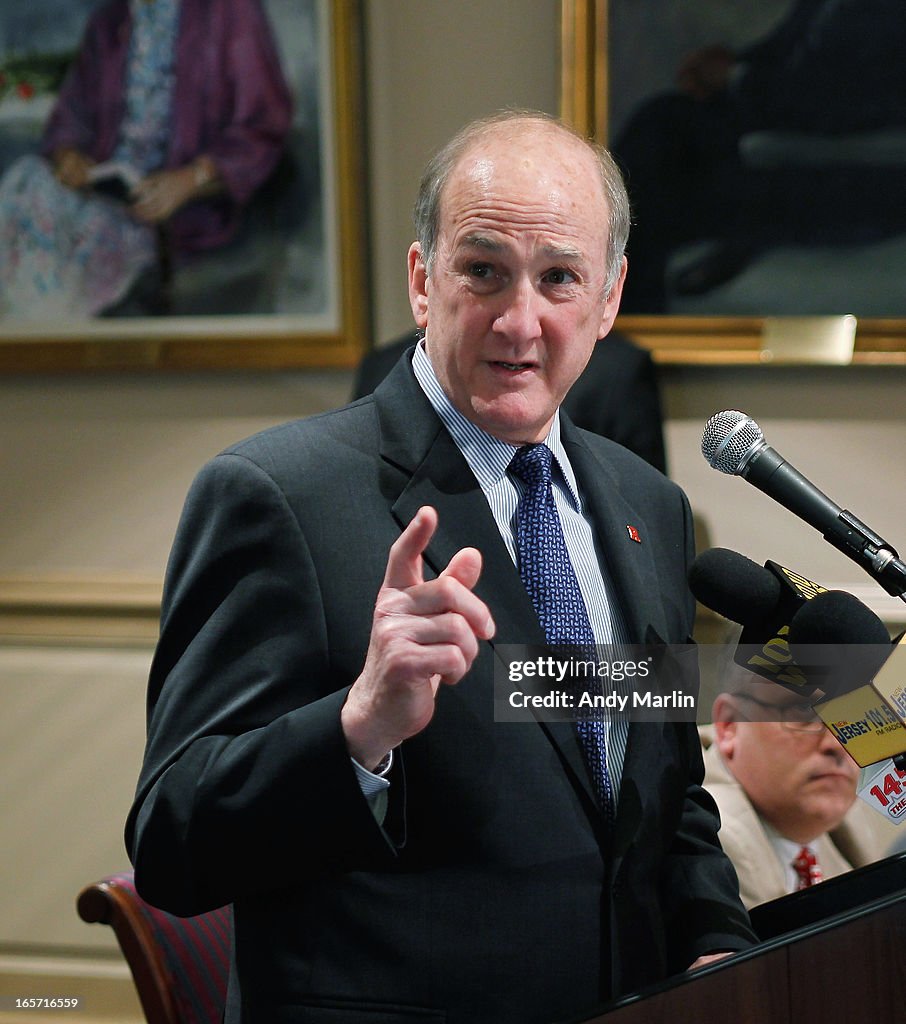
(870, 720)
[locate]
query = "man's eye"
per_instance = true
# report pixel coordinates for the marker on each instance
(480, 270)
(559, 276)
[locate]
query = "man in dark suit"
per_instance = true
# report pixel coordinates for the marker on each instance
(616, 395)
(322, 745)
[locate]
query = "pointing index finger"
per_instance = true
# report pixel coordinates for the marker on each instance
(404, 562)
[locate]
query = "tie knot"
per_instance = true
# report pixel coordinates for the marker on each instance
(532, 464)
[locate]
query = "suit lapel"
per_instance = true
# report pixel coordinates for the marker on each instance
(423, 466)
(629, 564)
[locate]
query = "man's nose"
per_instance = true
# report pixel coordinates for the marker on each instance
(520, 317)
(829, 744)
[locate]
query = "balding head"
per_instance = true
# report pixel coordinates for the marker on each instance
(516, 128)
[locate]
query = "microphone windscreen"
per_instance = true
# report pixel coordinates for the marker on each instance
(838, 641)
(837, 617)
(734, 586)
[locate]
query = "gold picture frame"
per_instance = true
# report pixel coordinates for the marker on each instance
(709, 340)
(334, 336)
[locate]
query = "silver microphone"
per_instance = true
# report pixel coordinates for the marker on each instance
(730, 440)
(733, 443)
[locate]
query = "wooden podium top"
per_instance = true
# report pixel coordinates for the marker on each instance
(833, 954)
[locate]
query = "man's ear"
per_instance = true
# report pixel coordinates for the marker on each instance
(723, 714)
(418, 285)
(612, 303)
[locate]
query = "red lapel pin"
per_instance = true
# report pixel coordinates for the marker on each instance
(633, 534)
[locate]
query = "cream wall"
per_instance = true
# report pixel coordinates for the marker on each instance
(432, 67)
(93, 469)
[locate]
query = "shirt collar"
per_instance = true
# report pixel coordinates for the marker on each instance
(487, 456)
(787, 849)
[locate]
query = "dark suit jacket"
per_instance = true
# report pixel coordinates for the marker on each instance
(495, 891)
(616, 396)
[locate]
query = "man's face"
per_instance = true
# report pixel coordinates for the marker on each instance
(515, 299)
(802, 783)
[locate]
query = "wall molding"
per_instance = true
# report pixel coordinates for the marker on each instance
(79, 610)
(116, 610)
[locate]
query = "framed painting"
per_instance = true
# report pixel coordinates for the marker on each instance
(172, 200)
(764, 149)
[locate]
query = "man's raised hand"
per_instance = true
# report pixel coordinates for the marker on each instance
(424, 633)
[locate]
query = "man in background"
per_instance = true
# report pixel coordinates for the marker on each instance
(786, 792)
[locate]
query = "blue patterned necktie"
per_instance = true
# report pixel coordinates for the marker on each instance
(549, 577)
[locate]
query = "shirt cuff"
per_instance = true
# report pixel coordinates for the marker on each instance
(374, 785)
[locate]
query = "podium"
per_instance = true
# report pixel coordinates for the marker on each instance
(833, 954)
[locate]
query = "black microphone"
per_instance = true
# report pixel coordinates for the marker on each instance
(763, 600)
(734, 586)
(838, 642)
(733, 443)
